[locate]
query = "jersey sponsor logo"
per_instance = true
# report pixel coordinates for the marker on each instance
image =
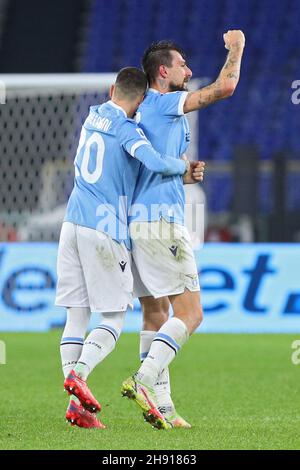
(173, 250)
(122, 265)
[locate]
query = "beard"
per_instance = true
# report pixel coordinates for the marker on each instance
(176, 87)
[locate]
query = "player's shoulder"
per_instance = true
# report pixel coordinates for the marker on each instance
(111, 110)
(164, 103)
(126, 127)
(155, 95)
(127, 123)
(105, 118)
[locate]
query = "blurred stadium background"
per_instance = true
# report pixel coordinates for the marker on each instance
(51, 55)
(56, 59)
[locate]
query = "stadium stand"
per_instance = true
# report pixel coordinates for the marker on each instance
(260, 114)
(105, 36)
(125, 28)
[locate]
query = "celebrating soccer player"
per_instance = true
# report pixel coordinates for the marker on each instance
(166, 267)
(94, 264)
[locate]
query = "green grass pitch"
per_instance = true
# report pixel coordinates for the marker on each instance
(238, 391)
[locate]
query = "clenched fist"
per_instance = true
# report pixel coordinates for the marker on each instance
(195, 173)
(233, 37)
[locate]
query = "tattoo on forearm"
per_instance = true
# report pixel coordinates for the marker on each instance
(210, 94)
(215, 91)
(233, 75)
(233, 63)
(230, 63)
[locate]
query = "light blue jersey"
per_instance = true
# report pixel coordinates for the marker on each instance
(162, 118)
(106, 172)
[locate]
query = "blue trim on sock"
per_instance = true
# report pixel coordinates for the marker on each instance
(168, 339)
(110, 328)
(79, 340)
(143, 356)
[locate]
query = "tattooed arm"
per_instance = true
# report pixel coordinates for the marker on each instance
(228, 79)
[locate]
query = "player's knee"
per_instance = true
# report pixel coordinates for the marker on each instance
(115, 321)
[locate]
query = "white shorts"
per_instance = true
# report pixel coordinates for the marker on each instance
(93, 271)
(164, 262)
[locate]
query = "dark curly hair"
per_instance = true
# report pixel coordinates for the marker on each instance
(159, 53)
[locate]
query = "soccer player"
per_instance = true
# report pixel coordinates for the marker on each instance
(167, 270)
(94, 265)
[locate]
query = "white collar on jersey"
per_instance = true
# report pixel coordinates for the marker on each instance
(153, 89)
(117, 107)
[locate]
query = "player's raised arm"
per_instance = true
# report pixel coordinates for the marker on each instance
(228, 79)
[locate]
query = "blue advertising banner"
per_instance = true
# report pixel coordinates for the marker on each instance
(244, 288)
(250, 287)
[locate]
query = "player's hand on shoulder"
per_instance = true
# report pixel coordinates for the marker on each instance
(234, 37)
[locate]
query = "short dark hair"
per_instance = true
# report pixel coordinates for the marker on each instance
(131, 83)
(159, 53)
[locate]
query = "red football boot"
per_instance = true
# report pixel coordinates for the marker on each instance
(78, 387)
(79, 416)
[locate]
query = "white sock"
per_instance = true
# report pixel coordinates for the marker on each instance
(146, 338)
(163, 391)
(162, 387)
(100, 342)
(165, 345)
(73, 338)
